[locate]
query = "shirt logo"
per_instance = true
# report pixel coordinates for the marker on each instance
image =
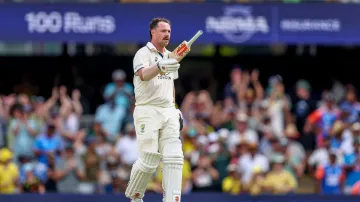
(177, 198)
(164, 76)
(142, 128)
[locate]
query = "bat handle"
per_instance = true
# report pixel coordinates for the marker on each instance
(199, 33)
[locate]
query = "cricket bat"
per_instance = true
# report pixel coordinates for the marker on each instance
(184, 48)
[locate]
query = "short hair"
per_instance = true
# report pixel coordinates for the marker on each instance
(154, 23)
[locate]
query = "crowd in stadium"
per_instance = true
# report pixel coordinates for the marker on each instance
(258, 139)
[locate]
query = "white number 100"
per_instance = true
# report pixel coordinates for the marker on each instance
(42, 22)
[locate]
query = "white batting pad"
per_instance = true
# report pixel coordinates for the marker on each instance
(172, 177)
(141, 173)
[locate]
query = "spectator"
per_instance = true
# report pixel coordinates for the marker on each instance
(278, 147)
(352, 165)
(249, 161)
(67, 121)
(303, 104)
(240, 151)
(242, 133)
(279, 105)
(234, 86)
(267, 134)
(324, 117)
(126, 147)
(250, 98)
(190, 141)
(9, 172)
(48, 144)
(38, 169)
(21, 132)
(91, 161)
(31, 183)
(320, 156)
(111, 117)
(39, 112)
(351, 135)
(51, 182)
(337, 142)
(187, 183)
(198, 115)
(295, 153)
(112, 177)
(69, 171)
(119, 90)
(232, 183)
(278, 180)
(220, 157)
(351, 105)
(255, 186)
(204, 175)
(103, 147)
(330, 177)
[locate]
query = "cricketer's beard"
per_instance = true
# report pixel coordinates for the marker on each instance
(165, 41)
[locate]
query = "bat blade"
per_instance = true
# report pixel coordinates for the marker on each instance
(184, 48)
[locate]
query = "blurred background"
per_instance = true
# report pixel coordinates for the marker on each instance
(269, 95)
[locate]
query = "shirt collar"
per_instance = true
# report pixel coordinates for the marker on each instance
(152, 47)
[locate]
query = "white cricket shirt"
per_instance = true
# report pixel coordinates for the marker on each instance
(159, 90)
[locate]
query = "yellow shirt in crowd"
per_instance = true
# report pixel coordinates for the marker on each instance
(8, 177)
(188, 147)
(255, 186)
(280, 182)
(231, 185)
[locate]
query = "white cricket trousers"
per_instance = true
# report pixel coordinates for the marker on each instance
(157, 129)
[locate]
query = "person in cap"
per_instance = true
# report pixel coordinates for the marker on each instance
(255, 186)
(231, 183)
(278, 180)
(119, 90)
(303, 104)
(242, 132)
(9, 172)
(248, 161)
(295, 151)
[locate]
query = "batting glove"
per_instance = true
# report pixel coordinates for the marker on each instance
(181, 119)
(168, 65)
